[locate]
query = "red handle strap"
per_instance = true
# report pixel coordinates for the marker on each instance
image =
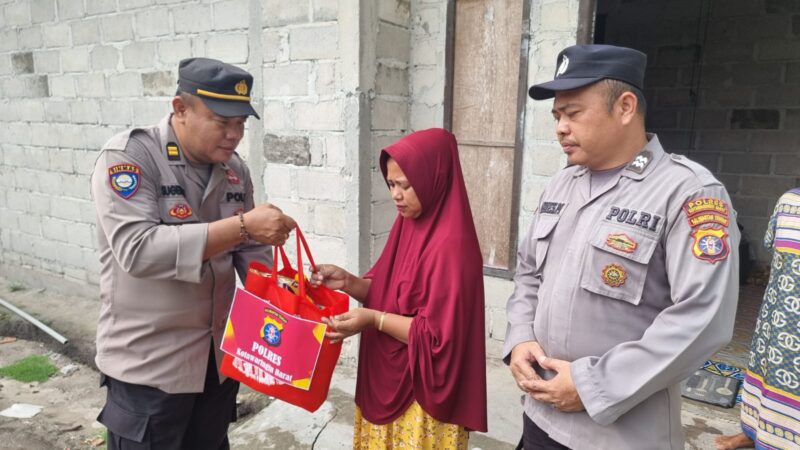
(302, 245)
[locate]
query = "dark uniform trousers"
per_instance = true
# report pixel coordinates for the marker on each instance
(144, 418)
(534, 438)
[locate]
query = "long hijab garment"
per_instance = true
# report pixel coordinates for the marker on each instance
(431, 270)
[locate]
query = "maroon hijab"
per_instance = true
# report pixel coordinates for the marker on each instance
(431, 269)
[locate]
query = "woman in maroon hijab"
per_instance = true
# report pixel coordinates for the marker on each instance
(422, 359)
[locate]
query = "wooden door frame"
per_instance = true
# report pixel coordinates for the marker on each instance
(522, 97)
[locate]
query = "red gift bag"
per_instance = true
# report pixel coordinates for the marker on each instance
(301, 300)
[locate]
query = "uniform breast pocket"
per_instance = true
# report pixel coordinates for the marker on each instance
(542, 236)
(232, 203)
(617, 261)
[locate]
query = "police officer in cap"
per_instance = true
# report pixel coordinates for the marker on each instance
(627, 280)
(176, 222)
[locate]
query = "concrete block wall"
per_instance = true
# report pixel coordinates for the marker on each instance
(723, 87)
(390, 108)
(307, 171)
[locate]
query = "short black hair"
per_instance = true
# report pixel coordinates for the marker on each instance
(615, 88)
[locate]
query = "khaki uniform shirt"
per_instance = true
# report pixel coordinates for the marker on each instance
(161, 303)
(635, 285)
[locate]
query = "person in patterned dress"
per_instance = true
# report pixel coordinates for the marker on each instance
(771, 394)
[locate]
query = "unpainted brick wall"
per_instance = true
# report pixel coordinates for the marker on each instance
(723, 86)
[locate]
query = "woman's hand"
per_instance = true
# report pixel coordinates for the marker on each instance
(333, 277)
(349, 323)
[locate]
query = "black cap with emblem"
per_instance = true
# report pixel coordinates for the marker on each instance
(224, 88)
(582, 65)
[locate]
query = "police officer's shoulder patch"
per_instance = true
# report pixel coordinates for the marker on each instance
(124, 179)
(709, 218)
(710, 243)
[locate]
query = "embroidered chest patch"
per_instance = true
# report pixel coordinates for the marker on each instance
(614, 275)
(232, 177)
(124, 179)
(551, 208)
(621, 242)
(181, 211)
(633, 217)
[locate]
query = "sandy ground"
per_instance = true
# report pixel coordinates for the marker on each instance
(71, 403)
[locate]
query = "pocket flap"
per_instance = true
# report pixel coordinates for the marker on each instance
(626, 242)
(124, 423)
(545, 224)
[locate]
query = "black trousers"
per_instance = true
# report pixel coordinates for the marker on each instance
(534, 438)
(145, 418)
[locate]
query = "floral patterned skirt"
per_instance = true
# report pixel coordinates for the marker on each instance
(415, 429)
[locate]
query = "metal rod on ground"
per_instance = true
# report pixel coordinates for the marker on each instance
(34, 321)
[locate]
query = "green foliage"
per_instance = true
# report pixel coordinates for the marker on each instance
(31, 368)
(14, 287)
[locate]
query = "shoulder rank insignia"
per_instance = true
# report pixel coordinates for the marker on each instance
(641, 162)
(232, 177)
(710, 244)
(124, 179)
(172, 152)
(181, 211)
(621, 242)
(614, 275)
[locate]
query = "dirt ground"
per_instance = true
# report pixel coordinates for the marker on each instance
(71, 402)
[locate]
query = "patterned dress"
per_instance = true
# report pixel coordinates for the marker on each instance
(771, 394)
(415, 429)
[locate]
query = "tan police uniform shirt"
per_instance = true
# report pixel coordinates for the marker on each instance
(635, 285)
(161, 303)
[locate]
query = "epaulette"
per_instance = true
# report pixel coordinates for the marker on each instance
(701, 172)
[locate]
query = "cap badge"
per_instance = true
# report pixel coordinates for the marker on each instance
(241, 88)
(614, 275)
(563, 67)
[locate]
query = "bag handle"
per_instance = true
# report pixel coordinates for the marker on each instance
(301, 278)
(302, 245)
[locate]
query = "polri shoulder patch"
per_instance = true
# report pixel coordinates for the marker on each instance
(710, 244)
(124, 179)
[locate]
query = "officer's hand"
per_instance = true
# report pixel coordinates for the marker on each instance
(333, 277)
(268, 224)
(523, 356)
(559, 392)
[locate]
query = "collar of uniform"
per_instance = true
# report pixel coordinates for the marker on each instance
(655, 153)
(649, 157)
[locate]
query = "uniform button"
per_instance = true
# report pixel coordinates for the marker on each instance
(676, 157)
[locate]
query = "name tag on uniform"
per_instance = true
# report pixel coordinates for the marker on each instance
(552, 208)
